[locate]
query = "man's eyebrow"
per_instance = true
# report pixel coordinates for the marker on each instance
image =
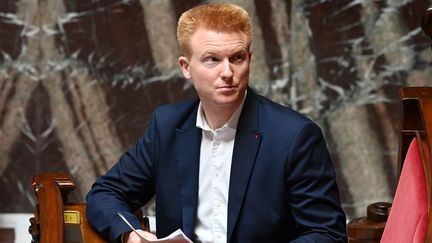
(242, 52)
(234, 52)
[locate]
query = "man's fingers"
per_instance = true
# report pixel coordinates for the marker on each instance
(132, 237)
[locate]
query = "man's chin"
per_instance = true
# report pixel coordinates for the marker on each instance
(228, 100)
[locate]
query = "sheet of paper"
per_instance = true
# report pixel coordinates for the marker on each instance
(175, 237)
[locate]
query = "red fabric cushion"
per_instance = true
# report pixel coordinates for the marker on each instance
(407, 222)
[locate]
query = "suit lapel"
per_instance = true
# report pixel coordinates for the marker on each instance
(246, 146)
(188, 143)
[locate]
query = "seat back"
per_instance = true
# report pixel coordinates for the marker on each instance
(58, 220)
(409, 219)
(416, 130)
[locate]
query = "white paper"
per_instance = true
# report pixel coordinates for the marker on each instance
(175, 237)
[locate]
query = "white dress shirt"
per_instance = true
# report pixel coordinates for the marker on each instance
(214, 175)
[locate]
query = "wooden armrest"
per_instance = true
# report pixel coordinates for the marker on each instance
(370, 228)
(57, 220)
(49, 208)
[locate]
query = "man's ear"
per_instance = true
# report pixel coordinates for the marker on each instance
(184, 65)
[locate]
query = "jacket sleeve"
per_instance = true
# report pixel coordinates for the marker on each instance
(311, 179)
(126, 187)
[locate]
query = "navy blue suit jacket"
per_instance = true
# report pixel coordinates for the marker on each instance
(282, 183)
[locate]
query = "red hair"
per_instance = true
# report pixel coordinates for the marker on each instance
(219, 17)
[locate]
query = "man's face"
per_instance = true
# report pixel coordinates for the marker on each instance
(218, 67)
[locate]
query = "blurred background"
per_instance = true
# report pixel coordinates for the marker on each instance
(80, 78)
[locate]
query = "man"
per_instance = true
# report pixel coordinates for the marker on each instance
(231, 166)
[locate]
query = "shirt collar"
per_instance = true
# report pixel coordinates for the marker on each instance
(201, 121)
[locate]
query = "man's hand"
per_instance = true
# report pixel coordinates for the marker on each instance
(132, 237)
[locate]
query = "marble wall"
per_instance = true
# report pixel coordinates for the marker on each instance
(79, 80)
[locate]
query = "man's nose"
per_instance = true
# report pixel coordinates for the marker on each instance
(227, 72)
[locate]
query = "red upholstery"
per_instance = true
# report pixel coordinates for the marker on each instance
(408, 218)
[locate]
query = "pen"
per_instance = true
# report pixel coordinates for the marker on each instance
(130, 226)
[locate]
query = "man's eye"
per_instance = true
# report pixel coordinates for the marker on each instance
(210, 61)
(238, 58)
